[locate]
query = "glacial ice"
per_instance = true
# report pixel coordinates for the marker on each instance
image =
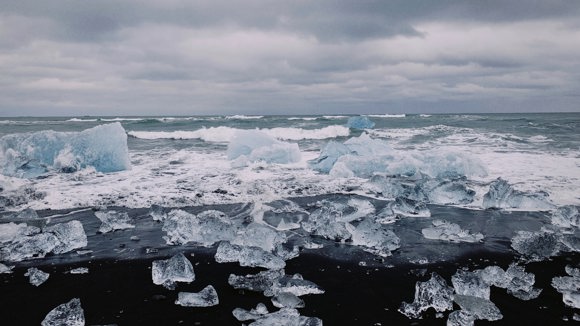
(536, 245)
(470, 283)
(521, 283)
(5, 269)
(295, 285)
(496, 276)
(433, 293)
(247, 256)
(569, 287)
(259, 235)
(36, 276)
(460, 318)
(71, 235)
(67, 314)
(245, 315)
(374, 237)
(360, 122)
(176, 269)
(79, 270)
(263, 281)
(205, 298)
(284, 215)
(480, 308)
(443, 230)
(206, 228)
(18, 196)
(566, 217)
(328, 156)
(12, 231)
(27, 213)
(287, 300)
(158, 213)
(103, 147)
(252, 145)
(407, 207)
(284, 316)
(502, 195)
(112, 220)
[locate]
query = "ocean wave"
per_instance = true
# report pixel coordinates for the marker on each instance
(225, 134)
(244, 117)
(303, 118)
(335, 116)
(386, 115)
(81, 120)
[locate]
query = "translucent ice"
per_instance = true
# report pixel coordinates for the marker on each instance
(12, 231)
(447, 192)
(260, 282)
(71, 235)
(536, 245)
(295, 285)
(284, 215)
(205, 298)
(27, 155)
(521, 283)
(569, 286)
(460, 318)
(36, 276)
(253, 145)
(36, 246)
(374, 237)
(329, 220)
(360, 122)
(158, 213)
(206, 228)
(112, 220)
(470, 283)
(27, 213)
(495, 275)
(433, 293)
(259, 235)
(443, 230)
(566, 216)
(480, 308)
(5, 269)
(247, 256)
(408, 207)
(286, 316)
(287, 300)
(176, 269)
(67, 314)
(502, 195)
(328, 156)
(256, 313)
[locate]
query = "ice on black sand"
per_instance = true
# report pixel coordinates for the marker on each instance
(112, 220)
(247, 256)
(36, 276)
(435, 293)
(446, 231)
(569, 287)
(205, 298)
(176, 269)
(67, 314)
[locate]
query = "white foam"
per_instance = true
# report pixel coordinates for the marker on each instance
(244, 117)
(386, 115)
(226, 134)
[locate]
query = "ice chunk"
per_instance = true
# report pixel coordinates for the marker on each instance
(28, 155)
(536, 245)
(36, 276)
(287, 300)
(12, 231)
(360, 122)
(284, 215)
(36, 246)
(375, 238)
(566, 216)
(5, 269)
(244, 315)
(260, 282)
(408, 207)
(67, 314)
(253, 145)
(259, 235)
(470, 283)
(328, 156)
(569, 286)
(27, 213)
(433, 293)
(521, 283)
(460, 318)
(502, 195)
(480, 308)
(158, 213)
(294, 284)
(443, 230)
(206, 228)
(79, 270)
(205, 298)
(113, 220)
(71, 235)
(286, 316)
(328, 220)
(496, 276)
(447, 192)
(176, 269)
(247, 256)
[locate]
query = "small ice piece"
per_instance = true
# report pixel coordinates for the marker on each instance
(433, 293)
(259, 235)
(480, 308)
(256, 313)
(205, 298)
(569, 286)
(324, 221)
(294, 284)
(206, 228)
(247, 256)
(286, 316)
(448, 192)
(113, 220)
(176, 269)
(158, 213)
(470, 283)
(374, 237)
(67, 314)
(496, 276)
(284, 215)
(36, 276)
(255, 282)
(566, 217)
(71, 236)
(5, 269)
(28, 214)
(536, 246)
(443, 230)
(521, 283)
(502, 195)
(460, 318)
(408, 207)
(328, 156)
(79, 270)
(254, 145)
(360, 123)
(287, 300)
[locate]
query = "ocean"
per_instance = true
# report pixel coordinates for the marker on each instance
(358, 213)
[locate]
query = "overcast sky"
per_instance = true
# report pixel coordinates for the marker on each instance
(174, 57)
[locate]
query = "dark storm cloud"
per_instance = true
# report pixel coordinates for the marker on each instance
(258, 56)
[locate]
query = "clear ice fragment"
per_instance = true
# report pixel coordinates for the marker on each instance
(256, 313)
(433, 293)
(460, 318)
(263, 281)
(113, 220)
(470, 283)
(287, 300)
(374, 237)
(569, 287)
(71, 235)
(67, 314)
(36, 276)
(502, 195)
(443, 230)
(295, 285)
(521, 283)
(158, 213)
(205, 298)
(480, 308)
(206, 228)
(566, 216)
(536, 245)
(176, 269)
(360, 122)
(247, 256)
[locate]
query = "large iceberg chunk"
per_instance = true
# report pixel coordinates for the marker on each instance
(360, 122)
(176, 269)
(252, 145)
(27, 155)
(67, 314)
(71, 235)
(205, 298)
(206, 228)
(328, 156)
(502, 195)
(443, 230)
(433, 293)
